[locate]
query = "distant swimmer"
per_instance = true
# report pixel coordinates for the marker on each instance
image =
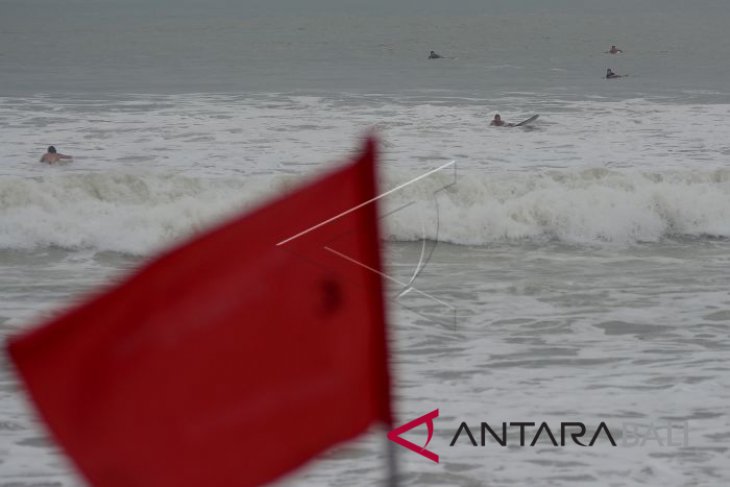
(614, 50)
(433, 55)
(611, 75)
(498, 122)
(52, 156)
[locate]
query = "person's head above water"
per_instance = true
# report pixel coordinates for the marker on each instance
(496, 121)
(51, 149)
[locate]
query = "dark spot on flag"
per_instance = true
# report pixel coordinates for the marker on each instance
(331, 295)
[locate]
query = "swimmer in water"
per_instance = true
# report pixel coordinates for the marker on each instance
(433, 55)
(497, 121)
(52, 156)
(611, 75)
(614, 50)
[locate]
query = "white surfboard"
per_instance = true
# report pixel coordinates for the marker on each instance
(525, 122)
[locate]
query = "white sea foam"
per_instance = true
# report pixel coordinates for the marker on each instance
(138, 213)
(118, 212)
(222, 135)
(589, 206)
(153, 169)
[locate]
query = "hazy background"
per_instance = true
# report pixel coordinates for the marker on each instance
(85, 46)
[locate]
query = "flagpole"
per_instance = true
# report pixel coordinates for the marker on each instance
(392, 461)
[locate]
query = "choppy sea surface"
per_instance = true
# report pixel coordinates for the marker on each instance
(574, 270)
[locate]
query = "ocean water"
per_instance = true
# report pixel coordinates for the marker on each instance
(573, 270)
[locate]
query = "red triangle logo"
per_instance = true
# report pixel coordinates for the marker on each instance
(428, 418)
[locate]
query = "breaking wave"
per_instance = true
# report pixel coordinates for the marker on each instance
(141, 213)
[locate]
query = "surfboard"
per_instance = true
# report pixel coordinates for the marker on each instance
(525, 122)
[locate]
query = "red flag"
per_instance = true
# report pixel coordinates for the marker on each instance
(232, 359)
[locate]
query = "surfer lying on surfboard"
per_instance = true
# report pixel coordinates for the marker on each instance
(611, 75)
(498, 122)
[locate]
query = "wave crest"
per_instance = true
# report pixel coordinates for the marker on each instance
(141, 213)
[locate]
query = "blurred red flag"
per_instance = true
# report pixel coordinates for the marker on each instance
(231, 359)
